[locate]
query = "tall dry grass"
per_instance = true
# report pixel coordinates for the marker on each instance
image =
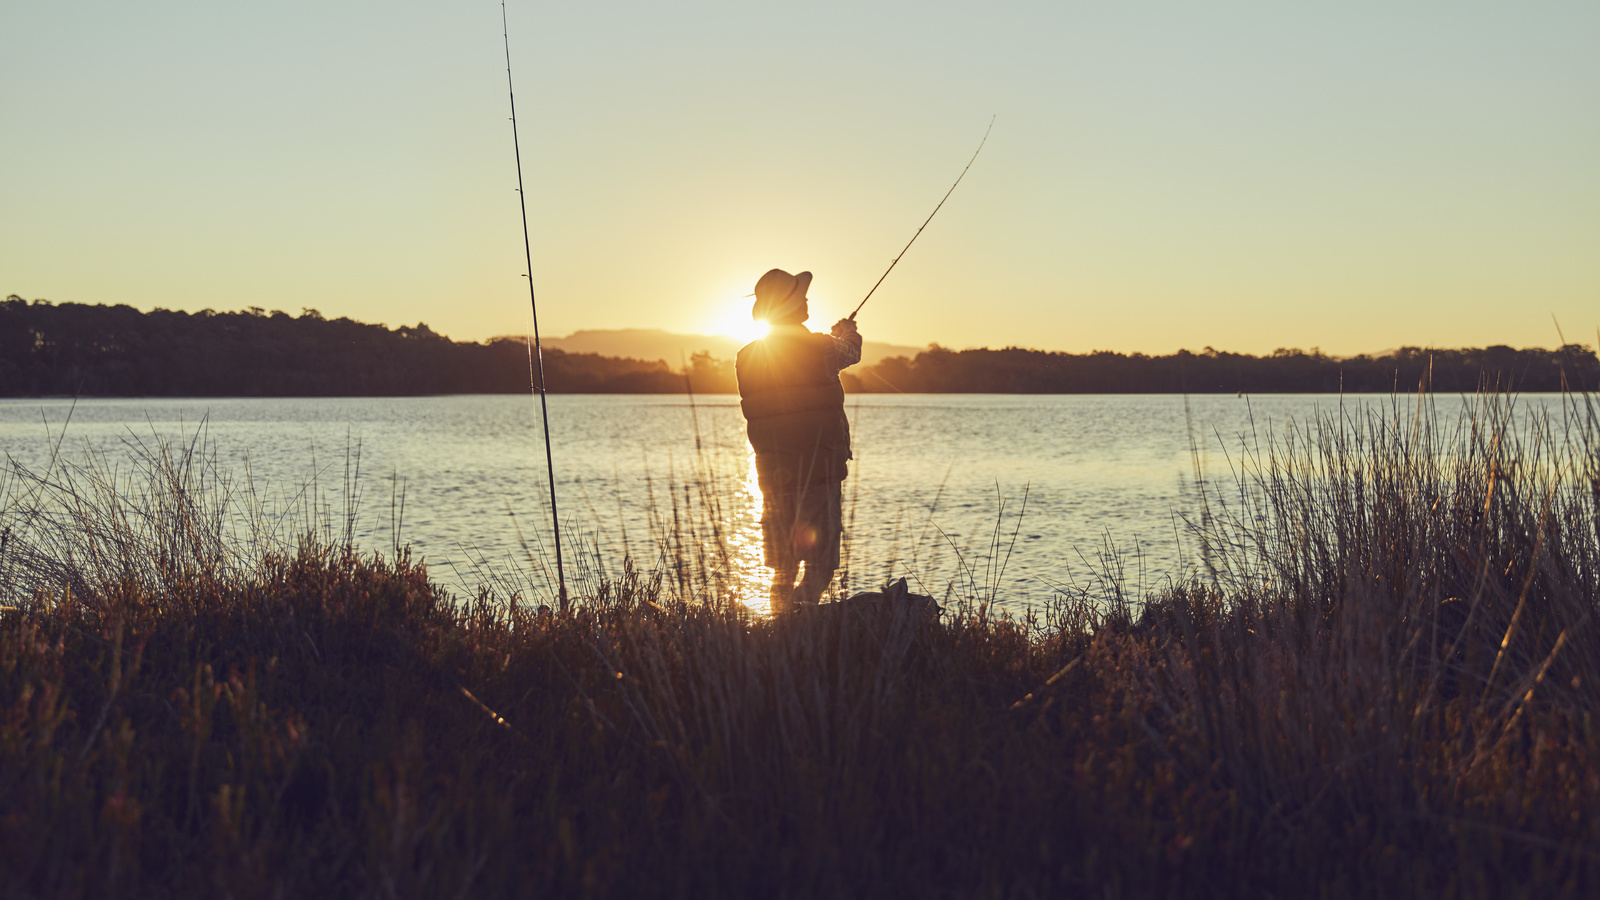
(1381, 686)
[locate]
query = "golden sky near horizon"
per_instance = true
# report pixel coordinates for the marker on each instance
(1353, 176)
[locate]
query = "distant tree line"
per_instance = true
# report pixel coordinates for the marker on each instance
(98, 350)
(1285, 371)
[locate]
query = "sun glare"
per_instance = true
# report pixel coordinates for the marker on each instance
(743, 327)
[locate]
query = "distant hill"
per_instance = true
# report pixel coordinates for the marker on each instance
(653, 343)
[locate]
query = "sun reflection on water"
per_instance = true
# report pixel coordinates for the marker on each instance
(750, 578)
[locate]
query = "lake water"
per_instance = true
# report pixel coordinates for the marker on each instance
(1015, 496)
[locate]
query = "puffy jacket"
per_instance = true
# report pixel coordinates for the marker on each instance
(790, 394)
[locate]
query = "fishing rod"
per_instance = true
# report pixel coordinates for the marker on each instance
(538, 350)
(926, 221)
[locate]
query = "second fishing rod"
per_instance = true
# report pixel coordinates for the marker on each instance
(536, 351)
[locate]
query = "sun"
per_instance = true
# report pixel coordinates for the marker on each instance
(738, 324)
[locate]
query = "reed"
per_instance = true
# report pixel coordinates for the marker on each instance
(1385, 688)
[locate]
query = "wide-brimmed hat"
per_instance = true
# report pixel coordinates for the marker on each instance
(779, 294)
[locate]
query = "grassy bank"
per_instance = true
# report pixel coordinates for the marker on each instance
(1383, 683)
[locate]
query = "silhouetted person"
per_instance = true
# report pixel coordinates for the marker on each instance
(794, 413)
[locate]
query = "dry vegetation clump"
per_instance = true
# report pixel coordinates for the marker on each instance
(1388, 688)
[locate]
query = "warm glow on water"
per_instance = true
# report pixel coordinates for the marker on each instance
(750, 577)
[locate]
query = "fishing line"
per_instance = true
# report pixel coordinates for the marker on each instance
(538, 349)
(926, 221)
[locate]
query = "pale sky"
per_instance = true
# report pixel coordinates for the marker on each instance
(1354, 176)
